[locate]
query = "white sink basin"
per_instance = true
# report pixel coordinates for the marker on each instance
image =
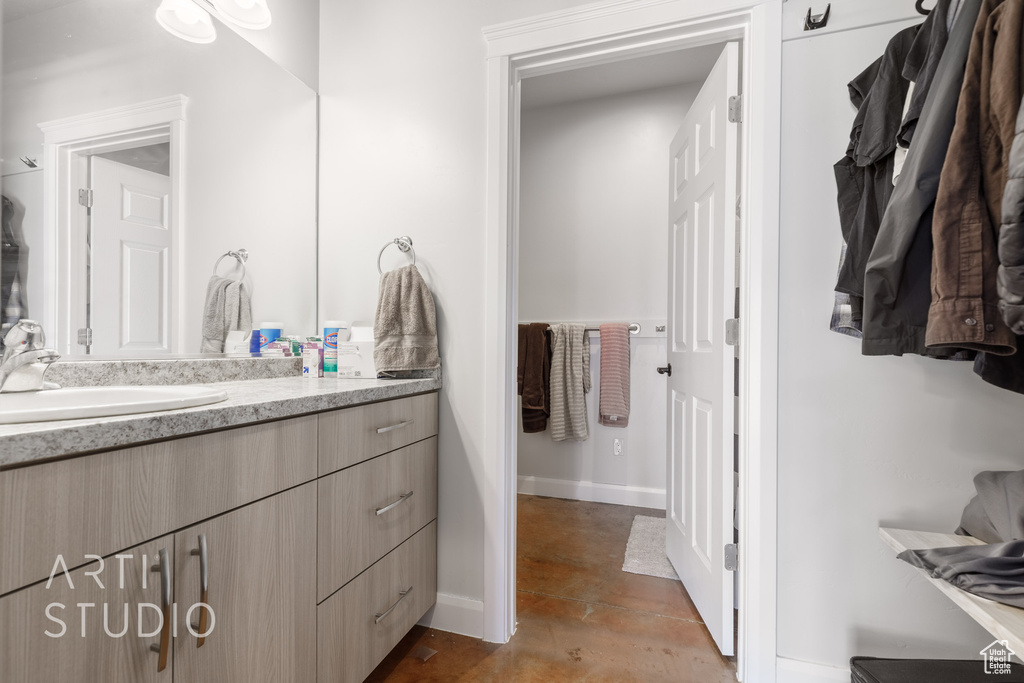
(80, 402)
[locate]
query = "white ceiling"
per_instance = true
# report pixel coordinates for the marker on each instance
(19, 9)
(617, 78)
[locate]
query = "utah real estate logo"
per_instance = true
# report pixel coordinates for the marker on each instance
(997, 657)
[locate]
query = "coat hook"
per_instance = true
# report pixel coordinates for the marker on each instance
(920, 8)
(819, 20)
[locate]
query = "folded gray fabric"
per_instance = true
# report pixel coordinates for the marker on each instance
(214, 316)
(405, 327)
(994, 571)
(996, 514)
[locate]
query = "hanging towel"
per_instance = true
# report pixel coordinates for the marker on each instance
(214, 316)
(237, 307)
(614, 406)
(534, 376)
(569, 355)
(405, 328)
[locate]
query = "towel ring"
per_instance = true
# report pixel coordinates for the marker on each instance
(242, 255)
(404, 245)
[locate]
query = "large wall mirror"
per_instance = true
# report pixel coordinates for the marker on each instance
(132, 162)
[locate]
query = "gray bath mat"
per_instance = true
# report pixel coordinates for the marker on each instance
(645, 549)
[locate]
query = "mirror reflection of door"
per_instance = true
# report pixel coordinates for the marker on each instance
(130, 279)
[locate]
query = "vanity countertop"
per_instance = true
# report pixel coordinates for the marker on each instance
(248, 402)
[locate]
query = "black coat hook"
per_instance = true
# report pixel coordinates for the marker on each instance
(819, 21)
(920, 8)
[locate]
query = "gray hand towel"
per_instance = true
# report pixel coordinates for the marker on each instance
(569, 382)
(214, 312)
(237, 308)
(405, 327)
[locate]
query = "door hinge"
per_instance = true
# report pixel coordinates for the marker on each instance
(736, 109)
(85, 197)
(732, 557)
(732, 332)
(85, 336)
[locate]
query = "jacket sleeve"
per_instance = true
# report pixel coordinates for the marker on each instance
(1011, 236)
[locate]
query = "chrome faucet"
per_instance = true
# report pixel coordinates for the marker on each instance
(25, 359)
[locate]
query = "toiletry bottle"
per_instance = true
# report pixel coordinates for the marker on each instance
(269, 332)
(333, 329)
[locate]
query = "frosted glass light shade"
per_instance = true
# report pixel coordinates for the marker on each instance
(252, 14)
(186, 20)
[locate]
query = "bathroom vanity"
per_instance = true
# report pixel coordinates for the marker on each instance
(303, 513)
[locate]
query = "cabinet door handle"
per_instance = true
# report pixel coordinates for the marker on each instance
(391, 428)
(204, 589)
(163, 567)
(380, 616)
(401, 499)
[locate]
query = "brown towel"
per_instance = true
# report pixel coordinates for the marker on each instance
(533, 374)
(405, 328)
(614, 409)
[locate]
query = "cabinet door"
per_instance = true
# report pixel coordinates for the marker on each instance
(260, 581)
(92, 643)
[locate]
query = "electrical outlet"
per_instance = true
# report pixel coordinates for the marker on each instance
(619, 447)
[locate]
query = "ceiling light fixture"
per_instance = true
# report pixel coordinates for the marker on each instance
(191, 19)
(186, 20)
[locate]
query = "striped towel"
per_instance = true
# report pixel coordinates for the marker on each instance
(614, 407)
(570, 381)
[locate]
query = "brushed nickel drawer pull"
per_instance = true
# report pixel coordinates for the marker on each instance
(385, 430)
(401, 499)
(380, 616)
(204, 589)
(164, 648)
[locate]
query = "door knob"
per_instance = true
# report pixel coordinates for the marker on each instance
(666, 370)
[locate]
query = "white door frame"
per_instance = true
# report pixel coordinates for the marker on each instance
(606, 32)
(66, 144)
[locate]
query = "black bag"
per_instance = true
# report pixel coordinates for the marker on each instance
(875, 670)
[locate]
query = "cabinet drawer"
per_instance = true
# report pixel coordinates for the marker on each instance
(351, 435)
(99, 504)
(358, 625)
(366, 510)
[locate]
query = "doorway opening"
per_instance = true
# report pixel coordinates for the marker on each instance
(605, 151)
(112, 229)
(581, 38)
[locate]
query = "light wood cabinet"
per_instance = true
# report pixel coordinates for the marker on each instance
(29, 655)
(101, 503)
(260, 579)
(352, 435)
(366, 510)
(241, 518)
(358, 625)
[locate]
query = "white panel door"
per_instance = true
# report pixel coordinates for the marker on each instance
(702, 282)
(132, 282)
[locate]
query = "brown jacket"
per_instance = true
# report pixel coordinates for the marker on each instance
(965, 301)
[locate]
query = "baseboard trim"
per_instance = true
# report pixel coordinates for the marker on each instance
(593, 492)
(797, 671)
(456, 614)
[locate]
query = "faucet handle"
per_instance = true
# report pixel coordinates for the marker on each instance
(25, 335)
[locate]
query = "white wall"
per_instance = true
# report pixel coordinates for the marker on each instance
(403, 151)
(250, 143)
(863, 441)
(594, 211)
(292, 39)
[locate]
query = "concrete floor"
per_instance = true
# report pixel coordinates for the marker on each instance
(580, 617)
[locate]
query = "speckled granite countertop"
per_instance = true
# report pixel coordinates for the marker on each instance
(248, 401)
